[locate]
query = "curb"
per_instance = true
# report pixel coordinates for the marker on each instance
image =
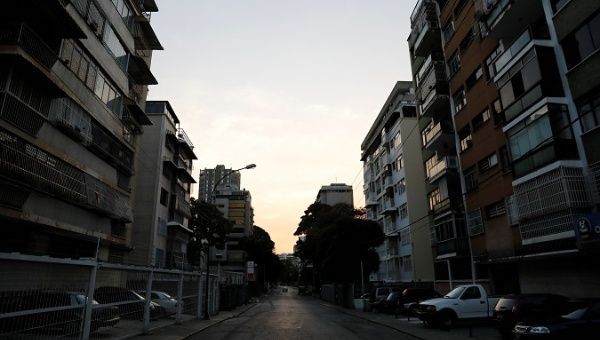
(372, 321)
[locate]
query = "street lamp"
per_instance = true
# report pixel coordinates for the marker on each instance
(207, 242)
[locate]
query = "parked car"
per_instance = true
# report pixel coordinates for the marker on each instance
(404, 301)
(514, 308)
(462, 303)
(168, 305)
(583, 323)
(131, 304)
(45, 312)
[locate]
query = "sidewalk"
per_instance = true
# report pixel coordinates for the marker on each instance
(415, 328)
(189, 328)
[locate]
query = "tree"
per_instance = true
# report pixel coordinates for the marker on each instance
(208, 223)
(259, 248)
(336, 240)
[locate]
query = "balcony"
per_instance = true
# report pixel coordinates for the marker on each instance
(504, 19)
(186, 143)
(143, 34)
(71, 119)
(553, 150)
(438, 137)
(425, 34)
(560, 189)
(438, 207)
(443, 165)
(236, 256)
(497, 65)
(389, 208)
(453, 247)
(25, 39)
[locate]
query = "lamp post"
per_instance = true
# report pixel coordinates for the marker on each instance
(207, 242)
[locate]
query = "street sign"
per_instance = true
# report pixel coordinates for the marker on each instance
(587, 228)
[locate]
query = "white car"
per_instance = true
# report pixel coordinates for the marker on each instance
(168, 305)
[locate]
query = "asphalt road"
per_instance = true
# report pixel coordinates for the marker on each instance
(285, 315)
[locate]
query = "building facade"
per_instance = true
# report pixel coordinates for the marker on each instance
(73, 82)
(449, 240)
(546, 71)
(162, 199)
(236, 206)
(395, 192)
(336, 193)
(229, 180)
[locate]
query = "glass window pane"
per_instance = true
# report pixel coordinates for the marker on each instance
(584, 42)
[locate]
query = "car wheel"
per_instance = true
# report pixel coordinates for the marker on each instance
(448, 319)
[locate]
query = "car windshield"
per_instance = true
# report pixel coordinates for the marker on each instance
(166, 295)
(576, 314)
(455, 293)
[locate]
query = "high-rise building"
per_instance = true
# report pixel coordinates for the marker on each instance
(449, 240)
(546, 71)
(395, 192)
(226, 179)
(481, 144)
(73, 82)
(162, 198)
(236, 206)
(335, 193)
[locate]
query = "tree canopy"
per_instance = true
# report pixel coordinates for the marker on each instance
(336, 240)
(207, 222)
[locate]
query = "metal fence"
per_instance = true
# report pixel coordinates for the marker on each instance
(43, 297)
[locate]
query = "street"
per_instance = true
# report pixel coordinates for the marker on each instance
(285, 315)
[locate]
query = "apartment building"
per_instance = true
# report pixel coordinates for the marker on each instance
(546, 71)
(162, 199)
(236, 206)
(481, 144)
(336, 193)
(73, 81)
(226, 179)
(449, 238)
(395, 192)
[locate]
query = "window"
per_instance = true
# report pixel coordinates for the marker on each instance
(448, 31)
(400, 187)
(406, 263)
(403, 211)
(459, 7)
(453, 64)
(504, 159)
(475, 222)
(488, 162)
(466, 42)
(471, 179)
(589, 111)
(164, 197)
(465, 137)
(471, 293)
(473, 78)
(444, 230)
(495, 209)
(405, 236)
(480, 119)
(516, 83)
(399, 163)
(582, 42)
(459, 99)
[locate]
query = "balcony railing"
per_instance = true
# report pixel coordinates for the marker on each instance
(41, 171)
(434, 132)
(560, 189)
(69, 116)
(498, 64)
(495, 11)
(21, 35)
(460, 246)
(444, 164)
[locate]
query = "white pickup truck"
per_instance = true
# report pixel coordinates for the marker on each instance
(462, 303)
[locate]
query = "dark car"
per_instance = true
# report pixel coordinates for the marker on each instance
(514, 308)
(50, 312)
(583, 323)
(131, 304)
(402, 301)
(412, 296)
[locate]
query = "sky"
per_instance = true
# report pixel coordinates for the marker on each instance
(292, 86)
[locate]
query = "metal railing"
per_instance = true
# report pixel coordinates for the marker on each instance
(21, 35)
(443, 164)
(181, 135)
(68, 115)
(43, 297)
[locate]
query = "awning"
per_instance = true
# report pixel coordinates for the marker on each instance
(140, 71)
(185, 176)
(144, 37)
(136, 111)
